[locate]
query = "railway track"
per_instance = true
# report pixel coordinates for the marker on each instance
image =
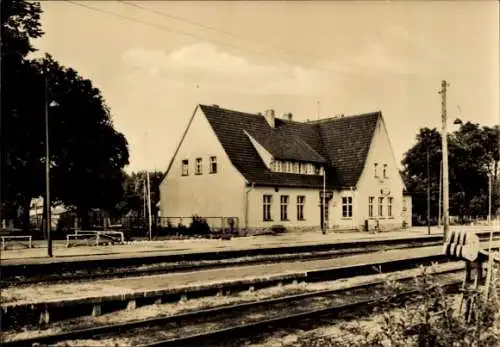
(94, 268)
(217, 325)
(23, 277)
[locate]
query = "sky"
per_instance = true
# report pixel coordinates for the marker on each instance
(154, 63)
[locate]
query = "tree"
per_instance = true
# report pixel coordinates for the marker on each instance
(20, 22)
(87, 154)
(415, 171)
(133, 198)
(473, 154)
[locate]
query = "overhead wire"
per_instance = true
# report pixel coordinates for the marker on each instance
(225, 32)
(190, 34)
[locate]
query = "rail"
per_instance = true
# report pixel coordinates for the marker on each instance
(94, 236)
(16, 238)
(291, 309)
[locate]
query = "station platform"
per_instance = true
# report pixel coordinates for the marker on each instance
(38, 254)
(60, 250)
(110, 289)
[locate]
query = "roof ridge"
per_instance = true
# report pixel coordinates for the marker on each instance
(336, 118)
(217, 107)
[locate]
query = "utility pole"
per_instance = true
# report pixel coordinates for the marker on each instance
(149, 205)
(323, 227)
(440, 192)
(148, 189)
(47, 172)
(144, 199)
(444, 139)
(428, 195)
(489, 199)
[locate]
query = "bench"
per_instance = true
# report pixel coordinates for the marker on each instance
(16, 238)
(86, 236)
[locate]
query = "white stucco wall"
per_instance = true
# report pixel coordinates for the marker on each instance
(311, 208)
(206, 195)
(337, 221)
(380, 152)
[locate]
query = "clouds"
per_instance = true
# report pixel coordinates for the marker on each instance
(204, 65)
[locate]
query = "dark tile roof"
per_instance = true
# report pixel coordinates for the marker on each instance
(343, 143)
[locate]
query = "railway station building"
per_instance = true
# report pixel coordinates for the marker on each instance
(267, 171)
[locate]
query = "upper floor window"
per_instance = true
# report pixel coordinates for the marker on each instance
(284, 207)
(370, 206)
(185, 167)
(317, 170)
(279, 166)
(375, 167)
(198, 170)
(384, 172)
(213, 165)
(347, 206)
(296, 167)
(288, 166)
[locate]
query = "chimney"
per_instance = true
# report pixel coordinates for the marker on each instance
(215, 105)
(269, 115)
(289, 116)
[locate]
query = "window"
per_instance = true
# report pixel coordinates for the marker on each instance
(316, 169)
(389, 207)
(347, 206)
(385, 171)
(376, 169)
(300, 207)
(296, 167)
(198, 170)
(213, 165)
(278, 166)
(288, 166)
(284, 207)
(267, 199)
(370, 206)
(380, 206)
(185, 167)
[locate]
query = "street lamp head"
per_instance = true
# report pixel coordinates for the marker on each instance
(53, 103)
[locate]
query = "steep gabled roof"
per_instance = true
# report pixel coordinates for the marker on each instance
(346, 142)
(341, 143)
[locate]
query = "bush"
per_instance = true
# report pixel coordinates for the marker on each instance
(199, 226)
(277, 229)
(430, 320)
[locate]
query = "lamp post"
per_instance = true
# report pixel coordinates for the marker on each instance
(323, 227)
(47, 169)
(47, 174)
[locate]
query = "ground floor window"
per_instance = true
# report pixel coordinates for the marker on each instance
(389, 207)
(300, 207)
(347, 206)
(380, 206)
(284, 207)
(370, 206)
(266, 200)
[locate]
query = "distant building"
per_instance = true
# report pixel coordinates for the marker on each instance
(36, 212)
(269, 171)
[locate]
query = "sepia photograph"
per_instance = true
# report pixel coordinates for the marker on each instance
(250, 173)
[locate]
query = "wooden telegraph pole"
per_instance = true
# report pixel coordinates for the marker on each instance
(428, 194)
(444, 139)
